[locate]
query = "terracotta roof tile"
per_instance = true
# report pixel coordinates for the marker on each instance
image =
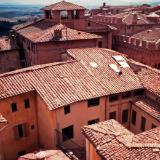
(113, 141)
(63, 5)
(43, 31)
(48, 155)
(64, 83)
(152, 34)
(149, 77)
(149, 106)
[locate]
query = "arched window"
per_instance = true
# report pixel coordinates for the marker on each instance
(100, 44)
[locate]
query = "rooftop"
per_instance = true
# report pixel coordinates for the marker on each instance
(60, 84)
(152, 34)
(44, 31)
(47, 155)
(113, 141)
(149, 77)
(149, 106)
(63, 5)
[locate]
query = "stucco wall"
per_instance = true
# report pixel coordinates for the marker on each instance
(9, 60)
(11, 146)
(79, 116)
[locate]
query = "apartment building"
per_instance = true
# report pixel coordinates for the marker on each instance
(47, 105)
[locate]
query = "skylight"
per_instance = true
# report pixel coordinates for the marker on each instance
(94, 64)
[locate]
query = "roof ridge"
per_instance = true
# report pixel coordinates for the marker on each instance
(36, 67)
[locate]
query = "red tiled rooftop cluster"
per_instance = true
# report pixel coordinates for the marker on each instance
(43, 31)
(113, 141)
(47, 155)
(60, 84)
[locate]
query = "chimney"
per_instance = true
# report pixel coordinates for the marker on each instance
(57, 34)
(104, 4)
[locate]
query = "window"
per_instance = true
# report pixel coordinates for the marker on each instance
(143, 124)
(93, 121)
(67, 109)
(89, 24)
(153, 126)
(125, 116)
(67, 133)
(14, 107)
(93, 102)
(26, 103)
(126, 95)
(112, 115)
(64, 14)
(21, 153)
(100, 44)
(113, 98)
(138, 92)
(134, 115)
(20, 131)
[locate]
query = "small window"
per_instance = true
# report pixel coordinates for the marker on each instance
(32, 127)
(126, 95)
(93, 102)
(26, 103)
(21, 153)
(134, 115)
(100, 44)
(153, 126)
(93, 121)
(20, 131)
(113, 98)
(67, 133)
(89, 24)
(67, 109)
(14, 107)
(138, 92)
(112, 115)
(143, 124)
(125, 116)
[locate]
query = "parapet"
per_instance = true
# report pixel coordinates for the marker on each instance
(135, 42)
(106, 19)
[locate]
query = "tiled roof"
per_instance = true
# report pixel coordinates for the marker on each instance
(63, 5)
(149, 77)
(110, 79)
(113, 141)
(64, 83)
(152, 34)
(135, 18)
(43, 31)
(5, 44)
(149, 106)
(47, 155)
(2, 119)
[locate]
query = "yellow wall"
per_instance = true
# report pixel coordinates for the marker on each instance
(8, 141)
(79, 116)
(46, 125)
(149, 120)
(91, 152)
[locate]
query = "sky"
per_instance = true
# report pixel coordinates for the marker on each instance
(81, 2)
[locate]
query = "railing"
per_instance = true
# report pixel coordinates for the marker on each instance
(70, 148)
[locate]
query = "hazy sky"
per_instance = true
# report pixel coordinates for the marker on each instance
(81, 2)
